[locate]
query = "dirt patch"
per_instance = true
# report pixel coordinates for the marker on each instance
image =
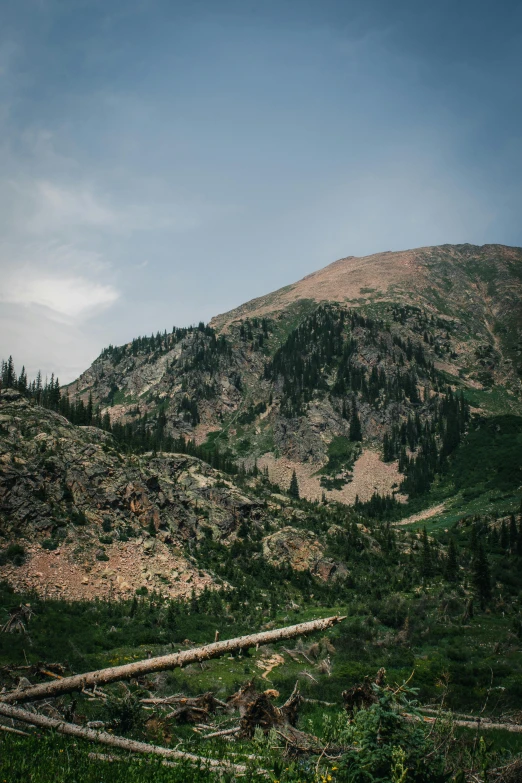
(267, 664)
(426, 514)
(370, 474)
(202, 431)
(62, 574)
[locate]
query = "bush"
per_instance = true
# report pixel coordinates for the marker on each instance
(14, 553)
(384, 744)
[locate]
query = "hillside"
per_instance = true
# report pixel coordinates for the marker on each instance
(109, 556)
(98, 523)
(377, 342)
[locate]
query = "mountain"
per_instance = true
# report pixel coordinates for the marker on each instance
(374, 342)
(185, 486)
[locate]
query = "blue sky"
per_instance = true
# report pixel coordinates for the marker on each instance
(162, 162)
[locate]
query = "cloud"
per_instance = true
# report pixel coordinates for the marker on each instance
(73, 297)
(58, 207)
(49, 207)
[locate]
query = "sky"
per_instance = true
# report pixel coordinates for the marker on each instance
(162, 162)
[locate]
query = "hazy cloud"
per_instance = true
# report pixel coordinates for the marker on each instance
(72, 297)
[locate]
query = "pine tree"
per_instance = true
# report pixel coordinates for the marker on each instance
(38, 388)
(482, 576)
(452, 565)
(426, 556)
(504, 536)
(355, 425)
(293, 489)
(90, 409)
(8, 374)
(22, 382)
(513, 533)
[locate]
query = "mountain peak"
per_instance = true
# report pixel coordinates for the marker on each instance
(405, 275)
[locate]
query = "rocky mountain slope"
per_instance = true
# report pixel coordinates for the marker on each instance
(79, 519)
(281, 379)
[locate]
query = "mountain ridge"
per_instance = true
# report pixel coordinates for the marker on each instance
(376, 272)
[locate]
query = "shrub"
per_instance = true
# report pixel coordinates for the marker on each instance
(14, 553)
(382, 741)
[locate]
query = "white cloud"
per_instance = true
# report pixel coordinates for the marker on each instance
(73, 297)
(58, 207)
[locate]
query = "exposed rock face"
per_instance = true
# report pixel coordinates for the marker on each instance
(52, 471)
(96, 523)
(302, 551)
(125, 520)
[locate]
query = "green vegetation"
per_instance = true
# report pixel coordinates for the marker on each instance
(446, 608)
(342, 454)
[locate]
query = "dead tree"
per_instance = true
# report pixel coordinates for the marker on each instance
(103, 738)
(80, 682)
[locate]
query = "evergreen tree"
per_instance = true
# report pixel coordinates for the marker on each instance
(8, 374)
(452, 565)
(355, 425)
(22, 382)
(90, 409)
(293, 489)
(513, 533)
(482, 576)
(38, 388)
(426, 556)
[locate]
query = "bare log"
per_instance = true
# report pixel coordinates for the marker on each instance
(161, 663)
(205, 701)
(14, 731)
(103, 738)
(462, 716)
(222, 733)
(471, 724)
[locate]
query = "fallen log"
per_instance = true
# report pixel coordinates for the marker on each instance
(463, 716)
(161, 663)
(222, 733)
(207, 700)
(471, 724)
(103, 738)
(188, 709)
(14, 731)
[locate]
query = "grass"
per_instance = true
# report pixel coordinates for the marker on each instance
(484, 475)
(121, 398)
(41, 759)
(342, 454)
